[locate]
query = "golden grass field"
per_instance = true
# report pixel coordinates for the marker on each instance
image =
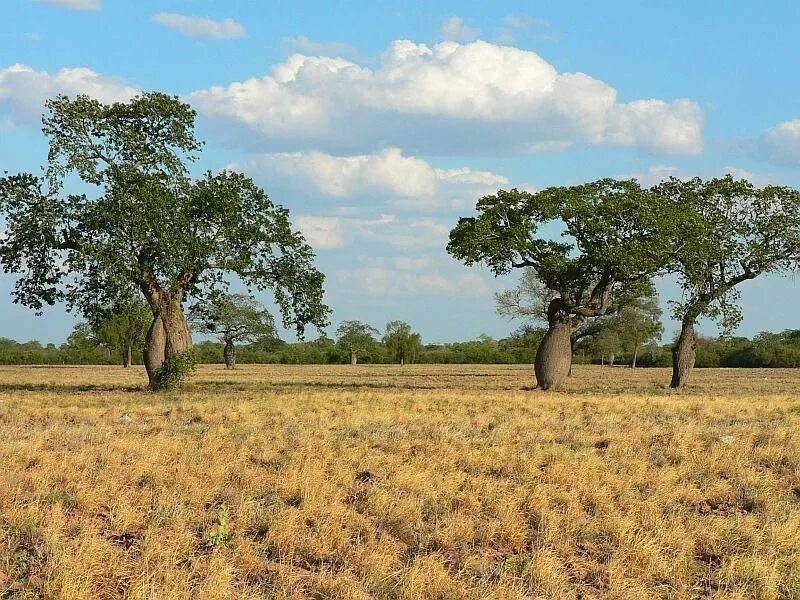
(421, 482)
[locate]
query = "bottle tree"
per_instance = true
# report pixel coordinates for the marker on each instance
(143, 226)
(234, 318)
(613, 235)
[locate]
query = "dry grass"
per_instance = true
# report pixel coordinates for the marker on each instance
(381, 482)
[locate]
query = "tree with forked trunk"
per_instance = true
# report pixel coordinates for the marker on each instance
(731, 232)
(234, 318)
(618, 235)
(151, 229)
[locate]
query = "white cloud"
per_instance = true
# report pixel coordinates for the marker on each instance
(381, 281)
(779, 145)
(23, 90)
(200, 26)
(454, 29)
(74, 4)
(322, 232)
(388, 232)
(468, 98)
(385, 176)
(303, 45)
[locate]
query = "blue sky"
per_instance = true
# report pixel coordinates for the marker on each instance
(379, 123)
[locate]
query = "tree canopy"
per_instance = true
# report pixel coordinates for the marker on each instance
(149, 229)
(402, 343)
(356, 338)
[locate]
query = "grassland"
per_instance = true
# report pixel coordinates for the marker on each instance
(382, 482)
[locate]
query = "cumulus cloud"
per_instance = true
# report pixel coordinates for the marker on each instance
(469, 98)
(387, 175)
(779, 145)
(454, 29)
(200, 26)
(74, 4)
(322, 232)
(390, 233)
(23, 90)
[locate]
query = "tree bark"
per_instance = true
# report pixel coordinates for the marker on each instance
(611, 361)
(230, 355)
(554, 356)
(353, 357)
(635, 354)
(169, 334)
(126, 356)
(683, 355)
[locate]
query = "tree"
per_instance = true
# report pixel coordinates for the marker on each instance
(403, 344)
(618, 235)
(606, 343)
(732, 232)
(356, 337)
(234, 318)
(150, 229)
(121, 327)
(637, 324)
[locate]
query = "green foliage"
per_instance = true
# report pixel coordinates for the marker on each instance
(174, 371)
(402, 343)
(121, 327)
(357, 338)
(615, 234)
(730, 232)
(233, 317)
(221, 534)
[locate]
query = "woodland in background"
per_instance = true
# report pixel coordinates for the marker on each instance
(767, 349)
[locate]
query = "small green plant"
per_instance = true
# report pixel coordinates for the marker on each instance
(221, 534)
(174, 371)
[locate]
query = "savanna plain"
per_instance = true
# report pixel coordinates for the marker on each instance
(420, 482)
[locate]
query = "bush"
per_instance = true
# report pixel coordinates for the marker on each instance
(174, 371)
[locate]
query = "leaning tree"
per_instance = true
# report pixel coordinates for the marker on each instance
(615, 235)
(732, 232)
(147, 227)
(234, 318)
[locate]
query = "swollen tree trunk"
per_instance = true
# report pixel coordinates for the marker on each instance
(554, 356)
(230, 355)
(168, 336)
(683, 355)
(126, 357)
(353, 357)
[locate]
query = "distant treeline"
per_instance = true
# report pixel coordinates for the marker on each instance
(764, 350)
